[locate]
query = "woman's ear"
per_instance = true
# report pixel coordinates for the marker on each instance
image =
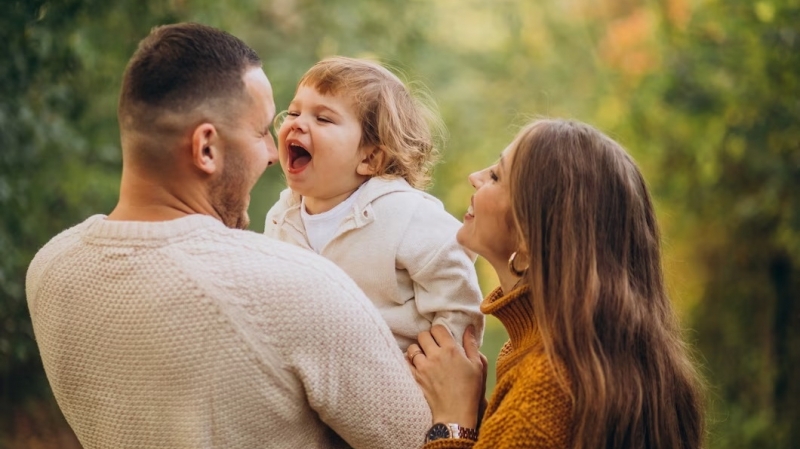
(521, 246)
(523, 257)
(206, 154)
(372, 162)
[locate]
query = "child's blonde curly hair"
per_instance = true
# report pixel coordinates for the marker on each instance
(404, 126)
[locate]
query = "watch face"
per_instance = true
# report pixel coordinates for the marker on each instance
(438, 432)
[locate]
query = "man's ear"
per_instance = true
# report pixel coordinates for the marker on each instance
(372, 161)
(206, 154)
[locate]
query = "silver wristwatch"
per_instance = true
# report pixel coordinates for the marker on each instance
(440, 431)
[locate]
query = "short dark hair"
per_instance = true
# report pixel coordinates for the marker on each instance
(178, 67)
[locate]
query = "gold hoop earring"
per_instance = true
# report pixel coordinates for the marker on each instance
(514, 270)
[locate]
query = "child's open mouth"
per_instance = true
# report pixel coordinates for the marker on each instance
(299, 157)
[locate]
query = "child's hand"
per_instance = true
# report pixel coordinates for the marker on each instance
(452, 378)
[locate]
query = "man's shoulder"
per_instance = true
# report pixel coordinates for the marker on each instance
(254, 244)
(261, 273)
(64, 240)
(276, 260)
(75, 231)
(53, 250)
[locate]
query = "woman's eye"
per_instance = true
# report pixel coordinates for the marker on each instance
(493, 175)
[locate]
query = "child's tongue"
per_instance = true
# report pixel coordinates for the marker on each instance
(301, 160)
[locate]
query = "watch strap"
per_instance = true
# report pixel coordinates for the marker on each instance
(463, 432)
(450, 430)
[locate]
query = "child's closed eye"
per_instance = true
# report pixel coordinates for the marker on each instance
(323, 119)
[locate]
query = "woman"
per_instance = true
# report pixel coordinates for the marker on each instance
(594, 358)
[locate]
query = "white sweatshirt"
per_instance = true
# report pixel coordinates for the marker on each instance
(399, 245)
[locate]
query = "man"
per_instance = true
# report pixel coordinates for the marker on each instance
(162, 326)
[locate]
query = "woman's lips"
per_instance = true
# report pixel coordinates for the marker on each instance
(470, 212)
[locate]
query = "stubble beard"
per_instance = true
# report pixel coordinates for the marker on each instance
(229, 196)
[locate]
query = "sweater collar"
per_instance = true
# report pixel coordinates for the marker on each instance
(101, 229)
(515, 311)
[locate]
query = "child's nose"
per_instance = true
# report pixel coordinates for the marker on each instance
(300, 123)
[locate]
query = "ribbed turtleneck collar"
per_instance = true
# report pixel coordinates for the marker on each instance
(515, 311)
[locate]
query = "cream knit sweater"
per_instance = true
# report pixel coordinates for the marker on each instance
(187, 334)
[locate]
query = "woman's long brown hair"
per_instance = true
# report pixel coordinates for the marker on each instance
(587, 220)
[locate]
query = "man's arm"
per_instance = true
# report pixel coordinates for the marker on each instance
(354, 374)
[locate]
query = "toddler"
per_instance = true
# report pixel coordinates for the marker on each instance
(356, 147)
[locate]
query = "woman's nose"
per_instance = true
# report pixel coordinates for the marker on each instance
(475, 179)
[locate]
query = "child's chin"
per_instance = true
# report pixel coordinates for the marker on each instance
(295, 188)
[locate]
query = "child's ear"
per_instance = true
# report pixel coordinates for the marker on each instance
(372, 162)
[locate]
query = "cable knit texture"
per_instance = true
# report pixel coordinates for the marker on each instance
(529, 408)
(187, 334)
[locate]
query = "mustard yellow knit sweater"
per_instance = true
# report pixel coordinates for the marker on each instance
(528, 409)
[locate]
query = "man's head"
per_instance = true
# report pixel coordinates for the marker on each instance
(195, 112)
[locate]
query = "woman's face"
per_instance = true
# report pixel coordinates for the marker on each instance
(488, 227)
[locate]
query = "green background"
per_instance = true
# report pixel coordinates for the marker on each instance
(704, 94)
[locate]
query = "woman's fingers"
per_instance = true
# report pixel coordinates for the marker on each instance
(485, 366)
(427, 342)
(413, 351)
(471, 343)
(451, 379)
(442, 336)
(439, 339)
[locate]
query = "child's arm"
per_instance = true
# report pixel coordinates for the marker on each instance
(445, 282)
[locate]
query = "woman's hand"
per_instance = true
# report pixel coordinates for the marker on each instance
(453, 379)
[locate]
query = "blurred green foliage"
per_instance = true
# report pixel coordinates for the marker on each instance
(704, 93)
(727, 140)
(42, 158)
